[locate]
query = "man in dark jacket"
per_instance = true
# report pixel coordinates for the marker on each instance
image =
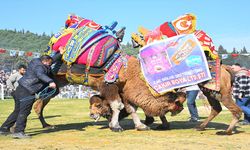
(37, 77)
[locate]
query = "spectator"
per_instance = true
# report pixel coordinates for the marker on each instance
(12, 81)
(2, 77)
(241, 91)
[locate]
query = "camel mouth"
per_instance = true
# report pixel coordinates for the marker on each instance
(96, 117)
(177, 109)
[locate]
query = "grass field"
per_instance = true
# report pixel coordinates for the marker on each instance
(75, 130)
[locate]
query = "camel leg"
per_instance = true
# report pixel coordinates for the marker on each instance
(39, 107)
(228, 102)
(138, 124)
(40, 115)
(215, 110)
(110, 92)
(116, 107)
(149, 120)
(165, 124)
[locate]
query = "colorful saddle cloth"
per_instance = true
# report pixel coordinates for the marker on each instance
(86, 42)
(112, 74)
(90, 46)
(61, 38)
(214, 83)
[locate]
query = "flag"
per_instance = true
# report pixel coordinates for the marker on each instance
(185, 24)
(2, 51)
(36, 55)
(234, 55)
(13, 52)
(29, 54)
(20, 53)
(224, 56)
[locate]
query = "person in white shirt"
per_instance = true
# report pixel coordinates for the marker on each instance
(12, 81)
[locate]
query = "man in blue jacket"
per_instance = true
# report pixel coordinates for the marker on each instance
(37, 77)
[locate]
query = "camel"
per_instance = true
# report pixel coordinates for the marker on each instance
(214, 99)
(225, 97)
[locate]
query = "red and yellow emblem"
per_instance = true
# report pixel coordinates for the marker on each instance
(185, 24)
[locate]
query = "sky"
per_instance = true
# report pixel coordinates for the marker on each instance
(226, 21)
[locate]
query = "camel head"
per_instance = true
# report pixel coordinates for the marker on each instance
(99, 108)
(176, 101)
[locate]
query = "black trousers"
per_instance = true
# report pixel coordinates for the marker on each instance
(23, 105)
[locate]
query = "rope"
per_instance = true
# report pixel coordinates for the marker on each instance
(42, 95)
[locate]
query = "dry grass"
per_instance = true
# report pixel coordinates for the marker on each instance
(76, 131)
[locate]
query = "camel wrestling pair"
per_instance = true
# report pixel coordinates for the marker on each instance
(94, 58)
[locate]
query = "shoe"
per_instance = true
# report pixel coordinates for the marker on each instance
(193, 119)
(4, 131)
(20, 135)
(244, 122)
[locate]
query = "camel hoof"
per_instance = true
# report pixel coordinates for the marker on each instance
(198, 128)
(224, 133)
(149, 120)
(142, 128)
(49, 127)
(116, 129)
(162, 127)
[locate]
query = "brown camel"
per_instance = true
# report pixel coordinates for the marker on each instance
(225, 97)
(214, 98)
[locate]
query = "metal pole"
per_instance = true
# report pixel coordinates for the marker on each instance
(2, 92)
(79, 91)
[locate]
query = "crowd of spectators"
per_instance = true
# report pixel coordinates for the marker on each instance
(3, 78)
(68, 92)
(76, 92)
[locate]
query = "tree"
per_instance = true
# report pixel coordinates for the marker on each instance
(221, 50)
(234, 51)
(244, 50)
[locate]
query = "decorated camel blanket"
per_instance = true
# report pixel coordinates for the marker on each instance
(214, 83)
(86, 42)
(173, 63)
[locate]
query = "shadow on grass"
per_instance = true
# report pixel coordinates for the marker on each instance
(127, 124)
(70, 126)
(178, 125)
(47, 117)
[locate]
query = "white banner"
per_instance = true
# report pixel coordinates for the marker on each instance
(20, 53)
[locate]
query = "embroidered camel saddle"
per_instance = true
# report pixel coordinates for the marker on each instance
(89, 44)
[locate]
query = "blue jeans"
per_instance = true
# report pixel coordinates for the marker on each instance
(244, 104)
(191, 97)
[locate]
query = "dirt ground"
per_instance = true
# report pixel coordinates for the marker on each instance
(75, 130)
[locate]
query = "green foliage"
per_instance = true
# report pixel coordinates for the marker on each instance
(221, 50)
(128, 49)
(23, 40)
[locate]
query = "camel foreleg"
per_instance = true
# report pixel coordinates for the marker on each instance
(116, 107)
